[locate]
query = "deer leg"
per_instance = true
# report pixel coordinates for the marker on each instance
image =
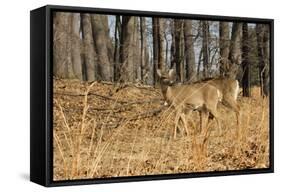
(176, 123)
(232, 103)
(218, 122)
(183, 123)
(238, 130)
(237, 117)
(184, 118)
(206, 136)
(236, 108)
(203, 120)
(205, 132)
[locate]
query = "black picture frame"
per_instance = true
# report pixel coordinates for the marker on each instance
(41, 95)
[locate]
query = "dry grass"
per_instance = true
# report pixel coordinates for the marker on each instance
(99, 137)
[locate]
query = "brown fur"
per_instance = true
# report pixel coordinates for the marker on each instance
(186, 98)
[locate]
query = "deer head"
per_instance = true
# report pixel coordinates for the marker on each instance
(166, 79)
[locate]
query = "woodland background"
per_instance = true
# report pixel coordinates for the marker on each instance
(119, 48)
(102, 130)
(19, 170)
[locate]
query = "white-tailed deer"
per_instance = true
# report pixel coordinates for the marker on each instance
(230, 90)
(203, 97)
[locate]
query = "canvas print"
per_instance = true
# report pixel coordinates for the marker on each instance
(138, 96)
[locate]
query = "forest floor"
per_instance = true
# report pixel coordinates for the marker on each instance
(99, 132)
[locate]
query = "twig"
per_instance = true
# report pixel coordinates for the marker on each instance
(154, 100)
(143, 115)
(147, 113)
(89, 94)
(139, 86)
(119, 107)
(76, 162)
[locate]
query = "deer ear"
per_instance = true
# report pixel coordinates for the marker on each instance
(171, 73)
(159, 73)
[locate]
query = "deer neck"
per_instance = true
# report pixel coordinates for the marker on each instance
(164, 89)
(167, 92)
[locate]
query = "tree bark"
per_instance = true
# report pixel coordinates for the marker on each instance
(75, 46)
(177, 59)
(88, 51)
(234, 56)
(160, 35)
(109, 44)
(100, 34)
(158, 46)
(199, 62)
(173, 46)
(263, 56)
(224, 47)
(267, 60)
(136, 50)
(205, 47)
(189, 51)
(165, 35)
(246, 79)
(117, 37)
(144, 53)
(126, 49)
(155, 23)
(182, 58)
(63, 67)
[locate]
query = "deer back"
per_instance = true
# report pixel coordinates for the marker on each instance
(228, 87)
(194, 95)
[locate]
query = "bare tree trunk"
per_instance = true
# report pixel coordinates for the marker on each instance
(161, 58)
(189, 51)
(136, 49)
(155, 23)
(205, 46)
(109, 44)
(142, 26)
(182, 60)
(117, 37)
(267, 61)
(263, 54)
(234, 56)
(144, 54)
(127, 49)
(178, 61)
(246, 80)
(100, 34)
(63, 67)
(199, 63)
(260, 35)
(165, 26)
(158, 49)
(75, 46)
(224, 47)
(173, 45)
(89, 51)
